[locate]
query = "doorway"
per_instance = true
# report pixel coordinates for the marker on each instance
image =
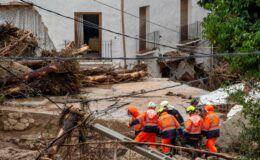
(143, 26)
(88, 33)
(184, 20)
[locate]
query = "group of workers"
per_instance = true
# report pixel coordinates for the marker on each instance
(168, 123)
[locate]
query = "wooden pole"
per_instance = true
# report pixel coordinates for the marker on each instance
(123, 31)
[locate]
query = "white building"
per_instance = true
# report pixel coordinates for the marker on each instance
(168, 22)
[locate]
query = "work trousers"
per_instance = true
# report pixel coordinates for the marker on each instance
(211, 144)
(166, 150)
(146, 136)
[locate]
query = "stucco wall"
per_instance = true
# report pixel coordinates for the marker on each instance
(29, 19)
(163, 12)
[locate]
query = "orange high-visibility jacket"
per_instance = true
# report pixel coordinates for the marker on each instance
(193, 126)
(148, 120)
(135, 114)
(211, 125)
(168, 125)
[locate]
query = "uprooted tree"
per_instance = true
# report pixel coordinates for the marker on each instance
(56, 74)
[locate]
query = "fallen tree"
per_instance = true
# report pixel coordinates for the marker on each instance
(113, 77)
(54, 75)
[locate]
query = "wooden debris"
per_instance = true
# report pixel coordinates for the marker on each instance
(5, 51)
(34, 64)
(81, 51)
(52, 77)
(113, 77)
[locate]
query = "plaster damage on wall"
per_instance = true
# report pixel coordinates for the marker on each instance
(29, 19)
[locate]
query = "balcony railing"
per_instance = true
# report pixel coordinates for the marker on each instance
(190, 32)
(148, 42)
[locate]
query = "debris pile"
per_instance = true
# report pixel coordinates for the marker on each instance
(16, 42)
(33, 78)
(54, 75)
(93, 76)
(179, 68)
(221, 74)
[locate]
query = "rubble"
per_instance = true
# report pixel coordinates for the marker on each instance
(17, 154)
(230, 132)
(18, 122)
(221, 74)
(185, 71)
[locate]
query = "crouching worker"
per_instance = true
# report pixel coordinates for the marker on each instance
(168, 126)
(149, 130)
(193, 127)
(134, 113)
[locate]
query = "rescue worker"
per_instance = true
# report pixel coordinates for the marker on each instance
(195, 102)
(134, 113)
(210, 127)
(199, 108)
(172, 111)
(193, 127)
(150, 127)
(168, 126)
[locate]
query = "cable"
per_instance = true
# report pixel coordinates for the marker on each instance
(131, 94)
(143, 19)
(92, 25)
(175, 58)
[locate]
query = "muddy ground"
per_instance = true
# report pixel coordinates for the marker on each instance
(37, 133)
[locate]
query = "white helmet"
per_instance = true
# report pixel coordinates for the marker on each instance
(151, 105)
(164, 104)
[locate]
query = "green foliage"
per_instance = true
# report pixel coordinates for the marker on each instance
(234, 26)
(250, 137)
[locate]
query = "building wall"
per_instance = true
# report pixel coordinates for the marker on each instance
(27, 18)
(163, 12)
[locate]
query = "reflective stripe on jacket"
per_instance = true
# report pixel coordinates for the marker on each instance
(150, 121)
(148, 124)
(168, 125)
(211, 125)
(193, 126)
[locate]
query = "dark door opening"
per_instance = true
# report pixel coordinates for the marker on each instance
(184, 20)
(142, 28)
(91, 34)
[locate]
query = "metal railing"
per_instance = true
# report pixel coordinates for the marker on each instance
(190, 32)
(107, 50)
(104, 50)
(144, 44)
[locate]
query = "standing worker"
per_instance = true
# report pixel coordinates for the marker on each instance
(211, 127)
(193, 127)
(134, 113)
(168, 126)
(150, 127)
(172, 111)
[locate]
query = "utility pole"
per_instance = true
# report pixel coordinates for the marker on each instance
(123, 31)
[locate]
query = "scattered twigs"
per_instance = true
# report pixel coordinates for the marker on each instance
(5, 50)
(157, 144)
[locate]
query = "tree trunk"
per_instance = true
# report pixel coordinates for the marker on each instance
(29, 76)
